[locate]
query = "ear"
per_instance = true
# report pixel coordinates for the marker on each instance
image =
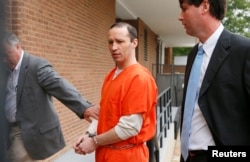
(205, 6)
(18, 47)
(135, 42)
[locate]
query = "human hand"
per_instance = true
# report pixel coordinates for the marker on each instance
(91, 112)
(77, 143)
(87, 146)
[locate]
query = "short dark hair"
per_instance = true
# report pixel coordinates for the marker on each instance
(217, 7)
(131, 29)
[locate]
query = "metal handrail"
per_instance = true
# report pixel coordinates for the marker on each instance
(164, 118)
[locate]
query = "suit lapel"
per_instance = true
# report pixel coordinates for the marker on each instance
(219, 54)
(22, 76)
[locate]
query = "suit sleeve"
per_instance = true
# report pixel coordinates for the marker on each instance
(61, 89)
(247, 73)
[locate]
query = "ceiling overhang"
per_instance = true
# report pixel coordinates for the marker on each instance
(161, 16)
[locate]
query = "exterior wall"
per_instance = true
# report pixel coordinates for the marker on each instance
(72, 35)
(151, 44)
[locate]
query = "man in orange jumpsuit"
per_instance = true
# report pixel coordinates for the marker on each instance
(128, 102)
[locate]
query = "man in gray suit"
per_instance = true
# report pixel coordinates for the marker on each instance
(35, 131)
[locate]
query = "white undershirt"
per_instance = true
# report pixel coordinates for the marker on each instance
(129, 126)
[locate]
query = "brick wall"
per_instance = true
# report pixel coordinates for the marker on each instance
(72, 35)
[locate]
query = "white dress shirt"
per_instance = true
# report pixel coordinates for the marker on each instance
(11, 91)
(201, 137)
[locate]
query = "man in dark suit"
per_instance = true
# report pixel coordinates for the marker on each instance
(35, 129)
(221, 112)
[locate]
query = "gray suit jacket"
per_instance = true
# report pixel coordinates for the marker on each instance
(39, 123)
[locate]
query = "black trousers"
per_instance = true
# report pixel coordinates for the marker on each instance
(196, 156)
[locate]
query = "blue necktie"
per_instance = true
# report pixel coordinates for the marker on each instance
(191, 97)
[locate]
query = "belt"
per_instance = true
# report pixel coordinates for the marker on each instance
(14, 124)
(197, 153)
(121, 147)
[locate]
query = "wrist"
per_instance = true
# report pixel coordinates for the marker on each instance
(95, 140)
(93, 136)
(90, 134)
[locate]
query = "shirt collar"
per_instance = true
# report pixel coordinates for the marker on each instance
(19, 62)
(211, 42)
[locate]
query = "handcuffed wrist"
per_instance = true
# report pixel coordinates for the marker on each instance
(90, 134)
(95, 140)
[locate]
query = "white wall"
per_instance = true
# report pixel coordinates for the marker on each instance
(180, 60)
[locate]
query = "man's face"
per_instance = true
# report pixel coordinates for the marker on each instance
(120, 46)
(12, 55)
(190, 17)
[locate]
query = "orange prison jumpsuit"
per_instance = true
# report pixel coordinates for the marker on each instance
(133, 91)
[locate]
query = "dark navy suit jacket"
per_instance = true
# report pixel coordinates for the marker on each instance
(224, 98)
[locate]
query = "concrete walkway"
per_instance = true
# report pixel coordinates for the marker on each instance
(177, 152)
(71, 156)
